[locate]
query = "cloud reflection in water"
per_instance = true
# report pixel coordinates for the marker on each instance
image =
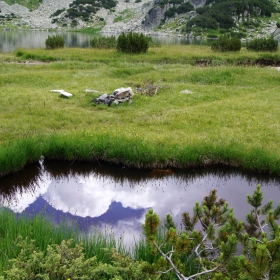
(120, 198)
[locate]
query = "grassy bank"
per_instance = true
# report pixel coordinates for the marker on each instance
(231, 116)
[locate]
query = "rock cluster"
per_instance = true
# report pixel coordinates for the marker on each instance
(119, 95)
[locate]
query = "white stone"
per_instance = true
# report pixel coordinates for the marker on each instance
(62, 92)
(66, 94)
(91, 90)
(57, 90)
(186, 91)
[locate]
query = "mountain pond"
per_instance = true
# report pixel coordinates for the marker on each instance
(11, 39)
(116, 197)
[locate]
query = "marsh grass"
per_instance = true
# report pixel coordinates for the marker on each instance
(229, 118)
(40, 228)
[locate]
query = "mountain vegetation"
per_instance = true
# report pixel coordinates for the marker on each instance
(30, 4)
(221, 13)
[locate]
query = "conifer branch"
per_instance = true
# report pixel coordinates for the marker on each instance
(215, 246)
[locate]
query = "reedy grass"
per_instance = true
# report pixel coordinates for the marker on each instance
(231, 117)
(96, 242)
(44, 232)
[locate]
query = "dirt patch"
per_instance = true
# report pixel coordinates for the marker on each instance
(267, 62)
(203, 62)
(262, 62)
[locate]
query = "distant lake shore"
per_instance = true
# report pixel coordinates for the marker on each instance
(11, 39)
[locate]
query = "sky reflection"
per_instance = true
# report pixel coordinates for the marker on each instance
(120, 199)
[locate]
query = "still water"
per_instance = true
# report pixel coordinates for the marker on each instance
(13, 39)
(103, 195)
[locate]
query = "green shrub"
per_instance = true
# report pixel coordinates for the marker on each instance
(278, 24)
(212, 36)
(226, 43)
(58, 12)
(103, 42)
(55, 42)
(182, 8)
(66, 261)
(263, 44)
(133, 43)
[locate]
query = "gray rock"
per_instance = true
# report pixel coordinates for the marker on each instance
(119, 95)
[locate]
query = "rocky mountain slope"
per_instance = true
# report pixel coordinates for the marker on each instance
(186, 17)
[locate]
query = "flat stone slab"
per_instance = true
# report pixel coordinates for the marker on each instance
(62, 92)
(186, 91)
(91, 90)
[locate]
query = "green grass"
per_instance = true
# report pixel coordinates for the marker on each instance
(231, 117)
(31, 4)
(125, 15)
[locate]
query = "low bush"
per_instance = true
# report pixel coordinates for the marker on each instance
(263, 44)
(67, 262)
(226, 44)
(133, 43)
(55, 42)
(103, 42)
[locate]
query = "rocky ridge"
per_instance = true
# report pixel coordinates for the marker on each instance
(39, 18)
(128, 15)
(133, 14)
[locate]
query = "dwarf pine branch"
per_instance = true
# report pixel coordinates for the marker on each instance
(215, 246)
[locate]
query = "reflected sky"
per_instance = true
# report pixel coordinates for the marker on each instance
(118, 197)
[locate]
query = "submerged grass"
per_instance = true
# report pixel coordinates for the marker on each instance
(231, 116)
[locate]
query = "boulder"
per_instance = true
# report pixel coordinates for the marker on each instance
(119, 95)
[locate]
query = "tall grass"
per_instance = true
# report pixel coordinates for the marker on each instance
(41, 229)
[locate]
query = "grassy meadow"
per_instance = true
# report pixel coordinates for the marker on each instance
(230, 118)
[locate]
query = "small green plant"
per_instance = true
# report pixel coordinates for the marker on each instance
(263, 44)
(55, 42)
(215, 246)
(226, 43)
(103, 42)
(133, 43)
